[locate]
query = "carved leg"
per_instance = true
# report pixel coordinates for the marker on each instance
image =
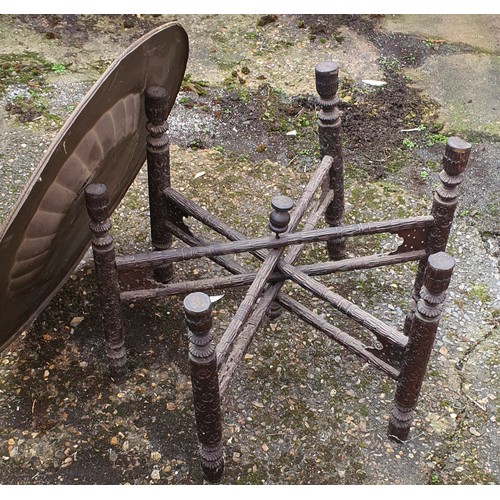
(423, 332)
(205, 381)
(158, 158)
(330, 143)
(445, 202)
(96, 196)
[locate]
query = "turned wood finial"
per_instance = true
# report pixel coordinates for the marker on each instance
(438, 273)
(280, 216)
(198, 310)
(97, 200)
(456, 156)
(437, 278)
(156, 104)
(327, 79)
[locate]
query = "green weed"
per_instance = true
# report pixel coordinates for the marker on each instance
(59, 69)
(408, 143)
(480, 292)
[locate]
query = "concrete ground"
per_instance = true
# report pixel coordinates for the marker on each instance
(300, 411)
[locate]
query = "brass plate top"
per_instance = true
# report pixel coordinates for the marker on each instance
(104, 140)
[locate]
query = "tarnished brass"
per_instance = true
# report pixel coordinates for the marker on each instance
(103, 141)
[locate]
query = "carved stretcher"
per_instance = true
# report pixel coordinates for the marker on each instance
(403, 356)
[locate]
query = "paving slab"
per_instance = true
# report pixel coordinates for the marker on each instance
(465, 85)
(478, 30)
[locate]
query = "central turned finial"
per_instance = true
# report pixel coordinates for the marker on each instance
(327, 79)
(279, 217)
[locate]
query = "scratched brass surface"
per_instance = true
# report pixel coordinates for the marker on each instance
(104, 140)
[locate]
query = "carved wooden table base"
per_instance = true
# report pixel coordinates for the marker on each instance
(403, 356)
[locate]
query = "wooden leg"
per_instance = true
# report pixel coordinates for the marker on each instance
(421, 339)
(205, 381)
(330, 142)
(158, 159)
(445, 202)
(96, 196)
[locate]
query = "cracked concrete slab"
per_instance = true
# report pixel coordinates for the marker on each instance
(480, 31)
(465, 85)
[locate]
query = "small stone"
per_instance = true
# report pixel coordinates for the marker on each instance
(76, 321)
(113, 441)
(170, 406)
(236, 457)
(155, 475)
(474, 431)
(265, 447)
(155, 456)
